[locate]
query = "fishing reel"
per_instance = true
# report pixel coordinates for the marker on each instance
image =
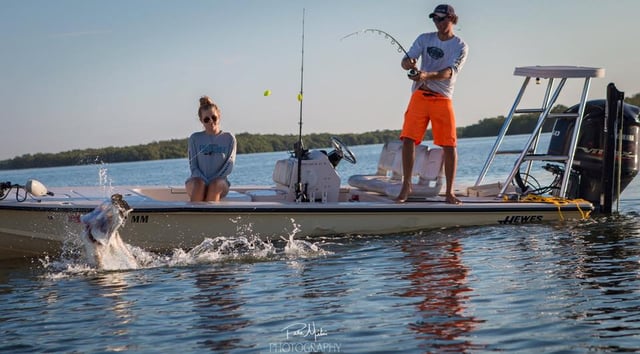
(413, 73)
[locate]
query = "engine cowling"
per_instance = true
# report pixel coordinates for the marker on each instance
(588, 159)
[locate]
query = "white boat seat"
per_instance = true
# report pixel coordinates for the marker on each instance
(385, 173)
(427, 174)
(282, 172)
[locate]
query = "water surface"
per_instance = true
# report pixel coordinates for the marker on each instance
(568, 287)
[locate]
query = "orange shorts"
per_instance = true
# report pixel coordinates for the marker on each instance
(425, 107)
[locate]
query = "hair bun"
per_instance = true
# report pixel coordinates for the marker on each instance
(206, 101)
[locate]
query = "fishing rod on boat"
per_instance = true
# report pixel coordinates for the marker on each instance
(394, 42)
(301, 195)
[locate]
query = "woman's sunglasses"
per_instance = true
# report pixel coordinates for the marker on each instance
(207, 120)
(438, 19)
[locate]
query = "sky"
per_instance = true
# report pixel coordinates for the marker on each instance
(78, 74)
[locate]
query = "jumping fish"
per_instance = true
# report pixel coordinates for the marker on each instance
(104, 249)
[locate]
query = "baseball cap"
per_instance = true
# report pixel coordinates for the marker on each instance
(443, 10)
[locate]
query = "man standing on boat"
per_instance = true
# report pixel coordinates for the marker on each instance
(442, 56)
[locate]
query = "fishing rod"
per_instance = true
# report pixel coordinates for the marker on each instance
(301, 196)
(394, 42)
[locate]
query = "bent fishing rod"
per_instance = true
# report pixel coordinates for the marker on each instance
(394, 42)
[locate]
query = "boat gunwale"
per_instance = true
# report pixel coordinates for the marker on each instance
(310, 208)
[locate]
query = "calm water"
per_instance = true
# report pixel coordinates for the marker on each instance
(567, 287)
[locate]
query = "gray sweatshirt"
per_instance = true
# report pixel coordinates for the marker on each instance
(211, 156)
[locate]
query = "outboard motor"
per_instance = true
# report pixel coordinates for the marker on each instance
(586, 179)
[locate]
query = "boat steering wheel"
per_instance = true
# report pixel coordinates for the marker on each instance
(343, 150)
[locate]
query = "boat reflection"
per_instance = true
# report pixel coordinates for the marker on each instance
(439, 280)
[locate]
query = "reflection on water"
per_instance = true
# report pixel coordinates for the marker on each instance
(564, 286)
(219, 307)
(438, 279)
(113, 288)
(608, 270)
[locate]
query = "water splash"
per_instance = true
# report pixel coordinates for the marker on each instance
(245, 246)
(300, 248)
(64, 267)
(104, 180)
(224, 249)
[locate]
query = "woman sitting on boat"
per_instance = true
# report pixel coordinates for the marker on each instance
(212, 154)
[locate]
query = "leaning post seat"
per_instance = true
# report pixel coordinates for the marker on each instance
(427, 175)
(318, 177)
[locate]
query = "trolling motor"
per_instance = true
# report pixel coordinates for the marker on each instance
(33, 187)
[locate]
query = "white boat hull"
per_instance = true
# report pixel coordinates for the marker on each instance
(39, 227)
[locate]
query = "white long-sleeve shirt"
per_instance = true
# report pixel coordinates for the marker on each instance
(437, 55)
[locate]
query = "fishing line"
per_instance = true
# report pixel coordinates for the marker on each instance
(394, 42)
(205, 147)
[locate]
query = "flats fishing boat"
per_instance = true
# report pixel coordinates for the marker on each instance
(587, 169)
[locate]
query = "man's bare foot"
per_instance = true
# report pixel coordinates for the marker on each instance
(452, 199)
(404, 194)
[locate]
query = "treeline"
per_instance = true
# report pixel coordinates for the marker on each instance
(253, 143)
(177, 148)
